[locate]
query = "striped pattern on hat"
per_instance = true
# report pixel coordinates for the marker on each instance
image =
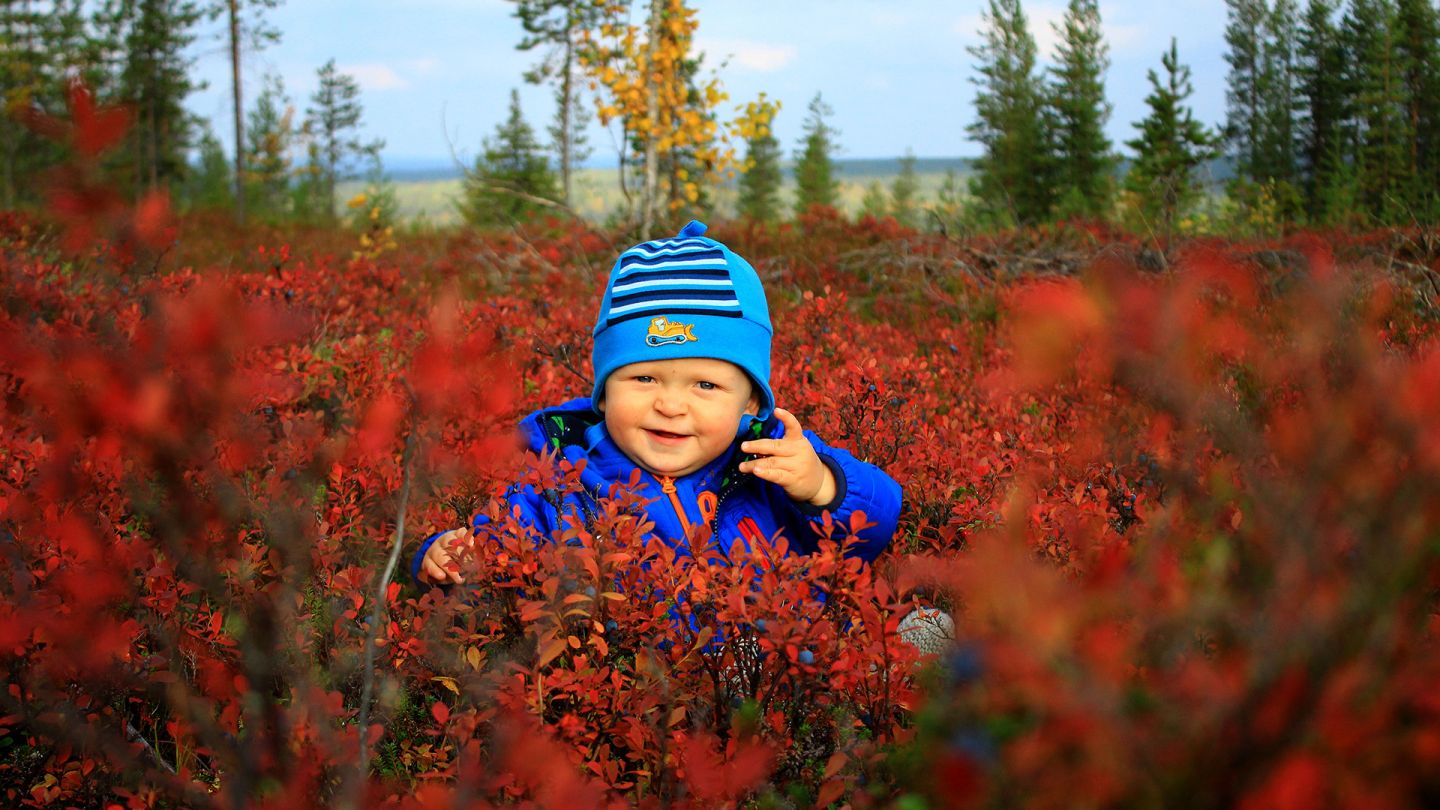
(680, 276)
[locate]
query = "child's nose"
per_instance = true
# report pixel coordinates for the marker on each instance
(669, 403)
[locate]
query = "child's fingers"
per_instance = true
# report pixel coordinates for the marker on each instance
(792, 425)
(765, 447)
(766, 471)
(438, 557)
(449, 537)
(775, 470)
(432, 571)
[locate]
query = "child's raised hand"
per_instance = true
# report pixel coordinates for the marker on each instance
(434, 566)
(791, 463)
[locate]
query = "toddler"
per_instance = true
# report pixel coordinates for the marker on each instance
(682, 393)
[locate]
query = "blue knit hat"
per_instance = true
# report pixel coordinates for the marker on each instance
(684, 297)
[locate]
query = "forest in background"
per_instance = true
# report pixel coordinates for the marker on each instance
(1327, 123)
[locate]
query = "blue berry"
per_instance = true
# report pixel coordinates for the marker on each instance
(806, 657)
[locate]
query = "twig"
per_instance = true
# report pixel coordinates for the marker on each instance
(136, 736)
(378, 608)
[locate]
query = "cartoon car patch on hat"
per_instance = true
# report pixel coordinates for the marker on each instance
(663, 332)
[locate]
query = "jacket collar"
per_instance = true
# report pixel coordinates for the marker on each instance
(575, 430)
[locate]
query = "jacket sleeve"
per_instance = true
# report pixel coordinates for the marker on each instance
(859, 487)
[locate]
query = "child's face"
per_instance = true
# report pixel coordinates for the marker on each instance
(672, 417)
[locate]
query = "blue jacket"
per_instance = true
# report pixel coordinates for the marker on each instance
(736, 505)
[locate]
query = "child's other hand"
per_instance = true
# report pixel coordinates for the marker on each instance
(434, 567)
(791, 463)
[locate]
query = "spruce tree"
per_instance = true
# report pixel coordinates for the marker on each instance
(1013, 181)
(905, 193)
(155, 36)
(243, 33)
(1374, 75)
(1323, 142)
(1280, 106)
(1245, 84)
(815, 182)
(207, 187)
(1171, 146)
(512, 180)
(874, 202)
(1085, 164)
(950, 202)
(557, 26)
(1263, 104)
(270, 135)
(760, 183)
(1418, 33)
(333, 123)
(24, 83)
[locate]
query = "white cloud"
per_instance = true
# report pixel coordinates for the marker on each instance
(375, 76)
(424, 65)
(760, 57)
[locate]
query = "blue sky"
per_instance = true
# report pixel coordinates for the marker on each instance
(436, 74)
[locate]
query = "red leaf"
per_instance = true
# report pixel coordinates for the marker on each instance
(152, 219)
(95, 128)
(829, 792)
(440, 712)
(1297, 783)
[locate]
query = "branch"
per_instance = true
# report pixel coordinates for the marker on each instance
(377, 609)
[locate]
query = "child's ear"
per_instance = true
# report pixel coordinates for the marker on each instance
(753, 406)
(600, 405)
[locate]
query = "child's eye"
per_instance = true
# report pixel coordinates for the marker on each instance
(707, 386)
(644, 378)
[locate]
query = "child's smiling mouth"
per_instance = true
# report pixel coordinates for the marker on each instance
(665, 435)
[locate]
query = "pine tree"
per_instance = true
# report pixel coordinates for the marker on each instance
(1169, 149)
(760, 184)
(1280, 106)
(333, 122)
(23, 84)
(154, 79)
(207, 186)
(1085, 164)
(558, 26)
(1418, 24)
(874, 202)
(253, 33)
(512, 180)
(1374, 74)
(1323, 143)
(1245, 84)
(1014, 176)
(567, 135)
(270, 136)
(905, 193)
(1263, 105)
(950, 200)
(815, 182)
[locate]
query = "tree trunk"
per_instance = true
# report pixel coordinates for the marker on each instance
(650, 194)
(239, 112)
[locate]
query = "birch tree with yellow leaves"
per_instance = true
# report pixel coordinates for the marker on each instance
(647, 79)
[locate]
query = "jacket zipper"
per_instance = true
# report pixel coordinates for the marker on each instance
(667, 486)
